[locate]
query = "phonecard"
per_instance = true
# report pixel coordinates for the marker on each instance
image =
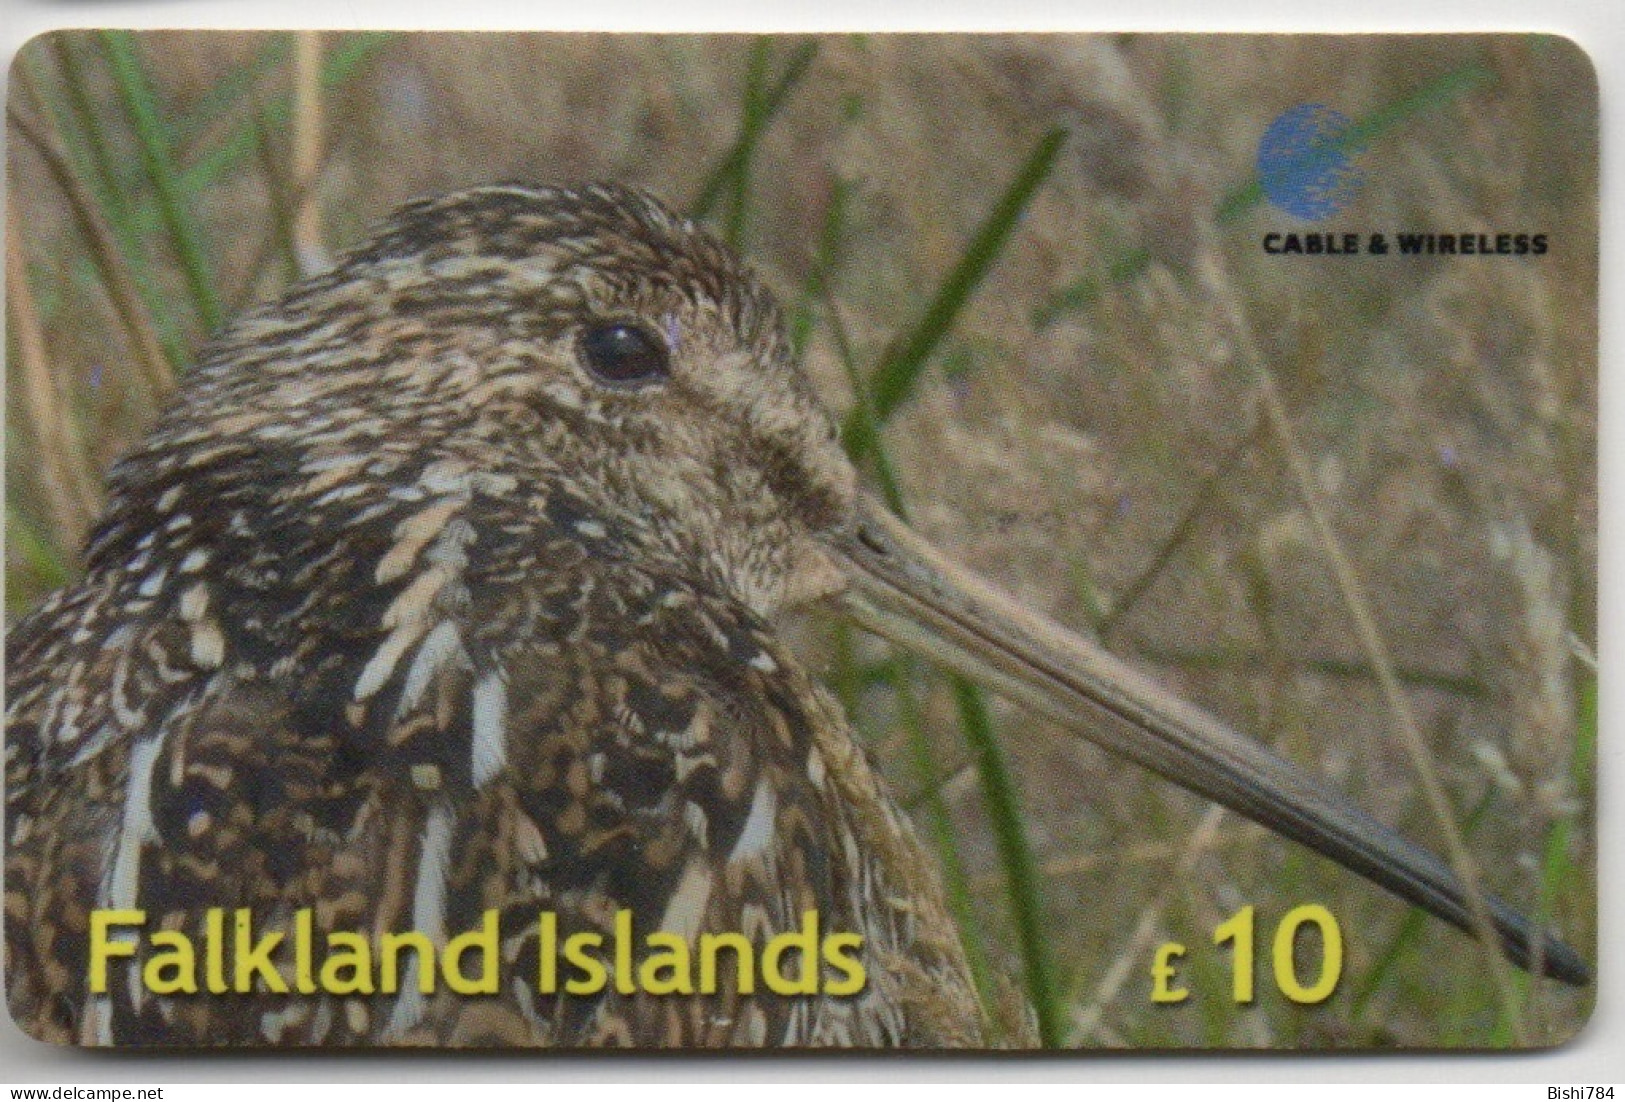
(530, 541)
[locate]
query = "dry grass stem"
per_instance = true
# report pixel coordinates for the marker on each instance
(156, 372)
(1086, 1020)
(70, 490)
(1358, 604)
(307, 151)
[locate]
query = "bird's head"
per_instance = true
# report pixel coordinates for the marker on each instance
(544, 337)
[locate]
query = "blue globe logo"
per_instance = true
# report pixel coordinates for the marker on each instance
(1306, 161)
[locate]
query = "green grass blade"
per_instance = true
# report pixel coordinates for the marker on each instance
(99, 168)
(48, 561)
(1403, 945)
(759, 115)
(81, 161)
(113, 266)
(1556, 867)
(825, 259)
(956, 885)
(1015, 854)
(739, 184)
(282, 241)
(185, 235)
(863, 412)
(1180, 533)
(227, 96)
(347, 56)
(1087, 290)
(901, 364)
(998, 790)
(899, 674)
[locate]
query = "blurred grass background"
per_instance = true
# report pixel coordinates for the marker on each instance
(1015, 265)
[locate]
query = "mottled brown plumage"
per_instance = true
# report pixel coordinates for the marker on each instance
(407, 610)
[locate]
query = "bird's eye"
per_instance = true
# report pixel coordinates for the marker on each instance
(624, 354)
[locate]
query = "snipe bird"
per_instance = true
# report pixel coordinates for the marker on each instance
(445, 588)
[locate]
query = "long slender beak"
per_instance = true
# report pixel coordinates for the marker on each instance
(903, 589)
